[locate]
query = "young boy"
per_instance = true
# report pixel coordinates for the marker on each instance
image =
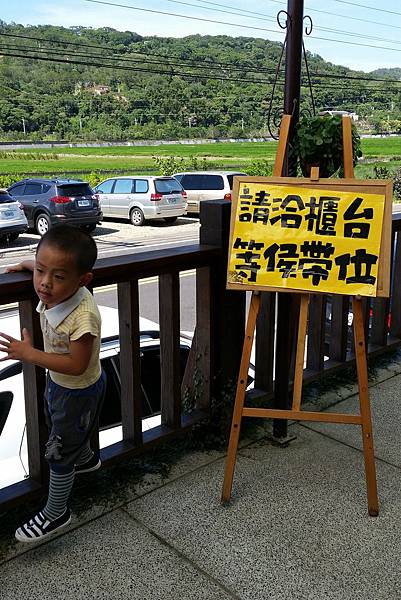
(70, 323)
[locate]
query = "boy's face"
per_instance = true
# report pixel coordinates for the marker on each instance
(56, 277)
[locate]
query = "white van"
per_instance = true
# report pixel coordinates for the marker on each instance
(206, 185)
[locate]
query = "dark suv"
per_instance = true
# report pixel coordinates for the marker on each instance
(47, 202)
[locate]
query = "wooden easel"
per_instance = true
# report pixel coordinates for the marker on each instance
(364, 417)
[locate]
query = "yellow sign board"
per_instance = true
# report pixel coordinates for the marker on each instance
(307, 238)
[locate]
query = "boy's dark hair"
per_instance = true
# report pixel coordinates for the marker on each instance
(75, 242)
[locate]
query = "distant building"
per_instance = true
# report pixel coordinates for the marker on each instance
(333, 112)
(99, 90)
(88, 86)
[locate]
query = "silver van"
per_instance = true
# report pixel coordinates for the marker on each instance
(206, 185)
(139, 198)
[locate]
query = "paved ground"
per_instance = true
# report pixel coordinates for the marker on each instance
(296, 529)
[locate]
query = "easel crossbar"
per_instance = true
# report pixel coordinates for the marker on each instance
(302, 415)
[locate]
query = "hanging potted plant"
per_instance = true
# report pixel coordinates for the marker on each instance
(319, 143)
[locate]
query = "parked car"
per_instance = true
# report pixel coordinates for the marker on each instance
(139, 198)
(13, 448)
(12, 217)
(206, 185)
(47, 202)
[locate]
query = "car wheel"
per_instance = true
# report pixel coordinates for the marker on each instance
(170, 219)
(42, 223)
(136, 217)
(91, 227)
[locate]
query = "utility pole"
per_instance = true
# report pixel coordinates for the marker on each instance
(23, 125)
(288, 305)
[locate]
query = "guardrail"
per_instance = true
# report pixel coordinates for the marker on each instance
(126, 272)
(217, 343)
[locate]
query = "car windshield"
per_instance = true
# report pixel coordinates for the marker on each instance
(5, 198)
(74, 189)
(167, 186)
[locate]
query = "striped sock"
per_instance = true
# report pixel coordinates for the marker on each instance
(85, 455)
(59, 491)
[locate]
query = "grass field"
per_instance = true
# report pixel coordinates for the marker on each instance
(138, 159)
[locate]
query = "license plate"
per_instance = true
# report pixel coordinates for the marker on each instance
(83, 203)
(8, 214)
(172, 200)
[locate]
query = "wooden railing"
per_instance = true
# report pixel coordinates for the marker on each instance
(216, 347)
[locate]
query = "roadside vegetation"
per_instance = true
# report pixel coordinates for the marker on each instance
(380, 155)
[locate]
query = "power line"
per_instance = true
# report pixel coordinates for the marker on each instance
(230, 12)
(254, 15)
(161, 12)
(238, 25)
(73, 61)
(325, 39)
(381, 10)
(56, 52)
(348, 17)
(130, 68)
(131, 50)
(196, 65)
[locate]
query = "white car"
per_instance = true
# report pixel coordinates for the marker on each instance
(206, 185)
(13, 447)
(12, 217)
(139, 198)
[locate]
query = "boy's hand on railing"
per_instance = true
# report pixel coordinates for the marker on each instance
(25, 265)
(16, 349)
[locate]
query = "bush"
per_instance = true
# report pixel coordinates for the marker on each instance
(94, 178)
(7, 180)
(168, 165)
(385, 173)
(260, 167)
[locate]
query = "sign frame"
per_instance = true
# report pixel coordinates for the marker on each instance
(358, 186)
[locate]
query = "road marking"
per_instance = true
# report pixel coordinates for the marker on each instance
(145, 246)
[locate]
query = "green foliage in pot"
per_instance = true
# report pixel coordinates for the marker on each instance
(319, 143)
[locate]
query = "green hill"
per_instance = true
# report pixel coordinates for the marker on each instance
(83, 83)
(393, 73)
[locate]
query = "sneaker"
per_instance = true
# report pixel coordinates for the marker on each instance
(93, 464)
(39, 527)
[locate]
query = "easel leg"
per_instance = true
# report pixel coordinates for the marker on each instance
(240, 397)
(300, 355)
(367, 433)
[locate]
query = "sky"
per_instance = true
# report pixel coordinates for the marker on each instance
(357, 34)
